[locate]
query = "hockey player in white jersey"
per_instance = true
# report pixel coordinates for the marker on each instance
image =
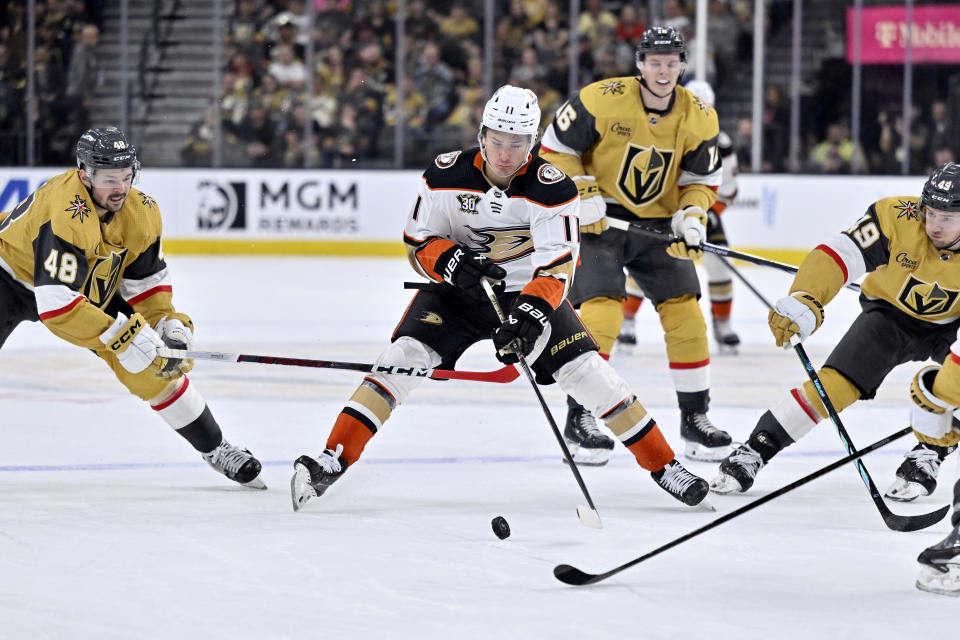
(498, 213)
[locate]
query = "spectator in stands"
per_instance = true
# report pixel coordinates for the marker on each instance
(722, 34)
(630, 26)
(243, 67)
(277, 99)
(296, 16)
(375, 66)
(941, 133)
(529, 69)
(420, 26)
(943, 155)
(674, 15)
(550, 37)
(295, 153)
(837, 153)
(890, 159)
(511, 32)
(459, 25)
(743, 145)
(596, 22)
(286, 35)
(435, 80)
(257, 136)
(414, 107)
(379, 20)
(332, 65)
(323, 103)
(233, 98)
(243, 28)
(287, 69)
(776, 125)
(347, 142)
(84, 76)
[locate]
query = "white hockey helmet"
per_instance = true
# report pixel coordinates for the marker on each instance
(703, 90)
(512, 110)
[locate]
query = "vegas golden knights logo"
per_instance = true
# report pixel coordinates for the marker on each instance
(104, 278)
(643, 173)
(925, 298)
(503, 244)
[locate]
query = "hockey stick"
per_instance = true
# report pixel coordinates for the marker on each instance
(571, 575)
(723, 252)
(746, 282)
(588, 515)
(505, 374)
(892, 520)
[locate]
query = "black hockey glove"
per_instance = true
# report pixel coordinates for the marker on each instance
(464, 269)
(525, 322)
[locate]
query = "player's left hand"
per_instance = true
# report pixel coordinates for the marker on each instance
(690, 227)
(176, 335)
(525, 322)
(800, 313)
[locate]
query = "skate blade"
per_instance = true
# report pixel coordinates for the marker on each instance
(944, 584)
(301, 491)
(701, 453)
(256, 483)
(704, 505)
(589, 457)
(589, 517)
(728, 350)
(905, 491)
(724, 484)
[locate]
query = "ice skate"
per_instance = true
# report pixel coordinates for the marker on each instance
(588, 445)
(738, 471)
(628, 333)
(313, 476)
(705, 442)
(237, 464)
(940, 566)
(689, 489)
(727, 339)
(917, 474)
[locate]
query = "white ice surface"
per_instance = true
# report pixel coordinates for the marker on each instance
(113, 527)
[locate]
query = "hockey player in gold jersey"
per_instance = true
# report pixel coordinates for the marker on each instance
(642, 149)
(82, 255)
(495, 212)
(910, 251)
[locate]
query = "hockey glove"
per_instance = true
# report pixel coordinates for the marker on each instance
(593, 208)
(175, 335)
(799, 313)
(524, 324)
(464, 269)
(134, 343)
(929, 415)
(690, 227)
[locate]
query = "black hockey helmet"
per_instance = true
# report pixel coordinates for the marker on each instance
(661, 40)
(106, 148)
(942, 189)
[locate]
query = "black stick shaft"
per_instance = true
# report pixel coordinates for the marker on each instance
(574, 576)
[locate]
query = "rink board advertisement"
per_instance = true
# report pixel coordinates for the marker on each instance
(363, 212)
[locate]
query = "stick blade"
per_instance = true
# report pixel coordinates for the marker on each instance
(589, 517)
(915, 523)
(573, 576)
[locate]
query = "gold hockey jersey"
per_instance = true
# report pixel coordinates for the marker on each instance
(649, 162)
(891, 245)
(54, 245)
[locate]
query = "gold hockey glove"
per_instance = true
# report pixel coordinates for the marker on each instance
(799, 313)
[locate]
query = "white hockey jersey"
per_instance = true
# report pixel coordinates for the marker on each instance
(531, 229)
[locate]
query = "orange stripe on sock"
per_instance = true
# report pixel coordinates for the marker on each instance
(630, 306)
(721, 310)
(652, 451)
(352, 434)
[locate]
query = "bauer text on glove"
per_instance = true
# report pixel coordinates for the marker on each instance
(464, 269)
(525, 322)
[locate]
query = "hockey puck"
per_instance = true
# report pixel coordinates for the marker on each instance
(500, 527)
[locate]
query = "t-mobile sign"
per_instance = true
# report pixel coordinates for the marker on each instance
(935, 34)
